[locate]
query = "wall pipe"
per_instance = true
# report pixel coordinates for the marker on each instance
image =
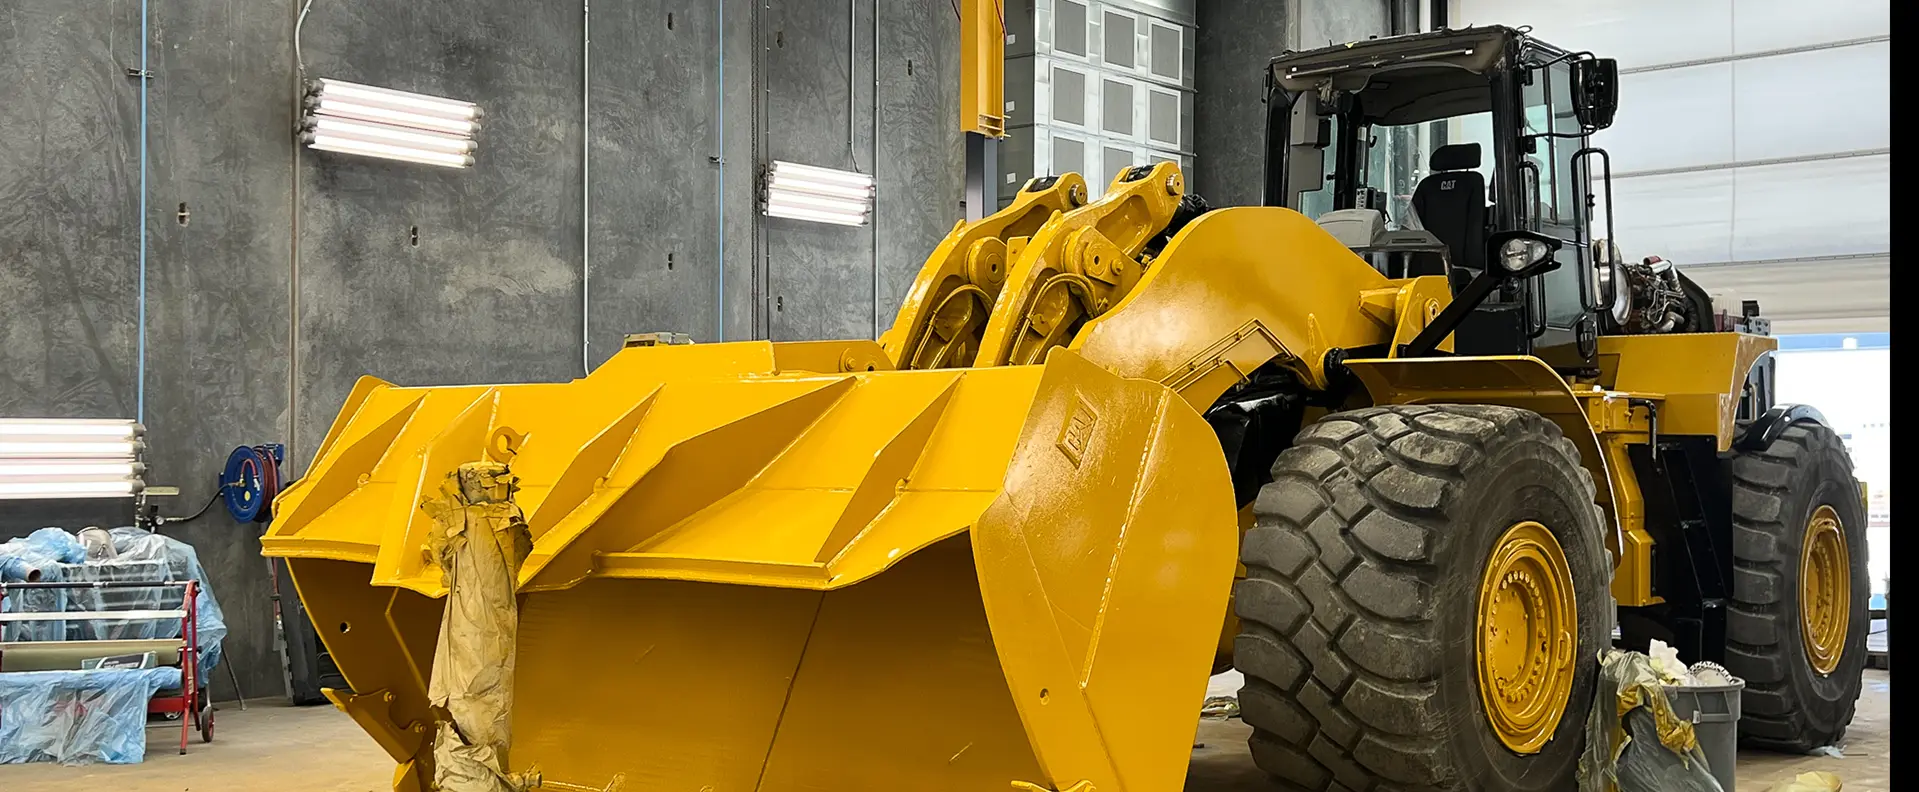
(140, 366)
(876, 169)
(586, 186)
(293, 268)
(719, 179)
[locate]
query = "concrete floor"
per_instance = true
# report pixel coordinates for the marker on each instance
(317, 749)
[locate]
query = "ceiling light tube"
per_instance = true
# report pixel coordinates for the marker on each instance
(388, 115)
(800, 172)
(852, 217)
(780, 184)
(53, 427)
(41, 449)
(66, 470)
(387, 151)
(433, 105)
(815, 215)
(806, 201)
(68, 489)
(398, 136)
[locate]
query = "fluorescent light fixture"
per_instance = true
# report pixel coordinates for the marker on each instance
(55, 459)
(821, 195)
(380, 122)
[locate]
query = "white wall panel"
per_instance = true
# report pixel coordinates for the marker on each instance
(1809, 103)
(1656, 32)
(1848, 295)
(1817, 102)
(1808, 209)
(1763, 25)
(1685, 217)
(1637, 32)
(1792, 211)
(1672, 118)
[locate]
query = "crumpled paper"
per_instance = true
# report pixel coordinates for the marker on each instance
(1220, 707)
(1816, 781)
(480, 539)
(1665, 660)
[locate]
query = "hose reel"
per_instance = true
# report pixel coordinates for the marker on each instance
(251, 481)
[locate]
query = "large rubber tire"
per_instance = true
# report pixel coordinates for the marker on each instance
(1787, 704)
(1358, 610)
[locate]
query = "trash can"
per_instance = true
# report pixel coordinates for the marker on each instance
(1713, 711)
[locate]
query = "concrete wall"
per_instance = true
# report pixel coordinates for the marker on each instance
(415, 274)
(1323, 23)
(1237, 38)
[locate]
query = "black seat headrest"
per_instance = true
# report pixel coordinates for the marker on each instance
(1458, 156)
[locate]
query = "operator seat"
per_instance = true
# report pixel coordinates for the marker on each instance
(1451, 203)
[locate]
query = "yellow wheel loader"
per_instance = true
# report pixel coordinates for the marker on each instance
(1405, 464)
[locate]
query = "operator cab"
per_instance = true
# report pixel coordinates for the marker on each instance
(1424, 153)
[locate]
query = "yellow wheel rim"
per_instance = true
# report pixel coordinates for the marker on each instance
(1526, 636)
(1825, 590)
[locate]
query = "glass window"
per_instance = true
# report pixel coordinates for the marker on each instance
(1398, 157)
(1166, 48)
(1550, 192)
(1402, 156)
(1549, 112)
(1162, 117)
(1117, 107)
(1069, 27)
(1119, 40)
(1069, 96)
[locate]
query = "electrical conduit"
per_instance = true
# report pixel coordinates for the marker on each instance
(140, 373)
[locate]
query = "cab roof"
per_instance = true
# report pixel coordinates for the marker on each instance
(1407, 79)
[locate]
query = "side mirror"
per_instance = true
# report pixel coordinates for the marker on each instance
(1595, 91)
(1521, 254)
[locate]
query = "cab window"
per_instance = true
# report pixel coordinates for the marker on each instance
(1549, 191)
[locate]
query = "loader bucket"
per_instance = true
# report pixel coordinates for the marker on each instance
(746, 578)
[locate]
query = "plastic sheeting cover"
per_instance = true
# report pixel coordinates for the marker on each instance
(78, 717)
(53, 555)
(1638, 743)
(37, 557)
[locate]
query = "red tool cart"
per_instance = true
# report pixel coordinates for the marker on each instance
(189, 703)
